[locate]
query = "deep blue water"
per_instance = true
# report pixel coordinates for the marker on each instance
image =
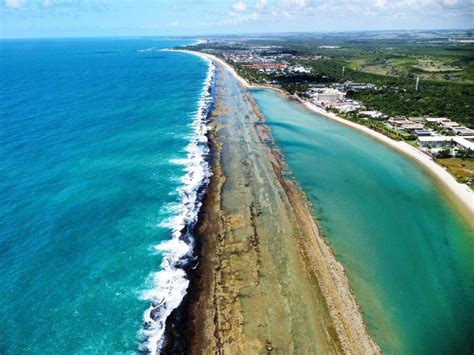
(91, 137)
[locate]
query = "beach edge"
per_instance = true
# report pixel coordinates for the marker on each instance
(460, 195)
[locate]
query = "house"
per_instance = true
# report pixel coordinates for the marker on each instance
(417, 119)
(349, 85)
(435, 142)
(437, 120)
(328, 96)
(299, 69)
(409, 127)
(422, 132)
(444, 141)
(463, 143)
(375, 115)
(463, 131)
(449, 124)
(397, 122)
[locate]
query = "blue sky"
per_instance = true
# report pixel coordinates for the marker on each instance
(76, 18)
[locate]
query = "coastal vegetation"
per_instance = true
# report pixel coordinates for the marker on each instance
(462, 168)
(399, 74)
(443, 61)
(378, 126)
(395, 95)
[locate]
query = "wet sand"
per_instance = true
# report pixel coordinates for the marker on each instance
(266, 280)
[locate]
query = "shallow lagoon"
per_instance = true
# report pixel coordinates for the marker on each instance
(408, 254)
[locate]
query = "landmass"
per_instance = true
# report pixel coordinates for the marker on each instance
(266, 279)
(412, 86)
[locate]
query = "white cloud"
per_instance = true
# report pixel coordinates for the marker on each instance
(15, 4)
(380, 3)
(295, 4)
(48, 3)
(238, 18)
(261, 4)
(239, 6)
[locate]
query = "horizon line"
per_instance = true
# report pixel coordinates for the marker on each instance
(185, 36)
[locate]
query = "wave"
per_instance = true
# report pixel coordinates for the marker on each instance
(171, 282)
(151, 49)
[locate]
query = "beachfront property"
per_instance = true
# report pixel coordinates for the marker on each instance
(375, 115)
(299, 69)
(422, 132)
(333, 98)
(435, 143)
(463, 131)
(449, 124)
(410, 127)
(436, 120)
(452, 126)
(326, 96)
(349, 85)
(399, 122)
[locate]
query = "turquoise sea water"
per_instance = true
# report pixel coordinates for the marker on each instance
(408, 255)
(100, 162)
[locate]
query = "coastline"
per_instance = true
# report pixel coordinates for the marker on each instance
(170, 282)
(244, 83)
(266, 279)
(459, 194)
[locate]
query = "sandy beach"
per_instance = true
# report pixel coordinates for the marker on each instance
(460, 194)
(266, 278)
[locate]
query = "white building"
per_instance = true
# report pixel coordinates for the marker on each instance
(375, 115)
(299, 69)
(445, 141)
(327, 97)
(437, 120)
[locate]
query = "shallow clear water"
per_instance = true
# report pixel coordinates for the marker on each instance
(90, 131)
(408, 254)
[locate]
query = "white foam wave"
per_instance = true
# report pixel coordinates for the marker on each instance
(151, 49)
(170, 283)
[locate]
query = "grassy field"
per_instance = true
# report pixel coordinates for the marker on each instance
(461, 169)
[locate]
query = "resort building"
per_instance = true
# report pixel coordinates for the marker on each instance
(409, 127)
(349, 85)
(327, 97)
(299, 69)
(375, 115)
(463, 143)
(463, 131)
(435, 142)
(422, 132)
(449, 124)
(398, 122)
(444, 141)
(437, 120)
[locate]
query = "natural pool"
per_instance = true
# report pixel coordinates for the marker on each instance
(408, 254)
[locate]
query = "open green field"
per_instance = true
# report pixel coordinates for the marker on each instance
(461, 169)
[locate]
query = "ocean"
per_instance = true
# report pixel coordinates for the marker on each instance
(407, 252)
(103, 160)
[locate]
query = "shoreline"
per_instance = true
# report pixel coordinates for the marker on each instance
(460, 195)
(236, 301)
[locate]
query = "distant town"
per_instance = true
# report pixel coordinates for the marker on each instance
(313, 73)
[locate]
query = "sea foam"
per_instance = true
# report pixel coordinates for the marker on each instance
(171, 282)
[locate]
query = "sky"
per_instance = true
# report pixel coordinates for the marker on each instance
(85, 18)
